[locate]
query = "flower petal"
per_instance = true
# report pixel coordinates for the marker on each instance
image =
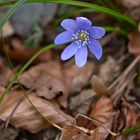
(81, 56)
(63, 37)
(97, 32)
(83, 23)
(95, 48)
(69, 51)
(69, 24)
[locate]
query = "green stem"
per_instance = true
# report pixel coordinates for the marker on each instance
(131, 130)
(23, 69)
(87, 5)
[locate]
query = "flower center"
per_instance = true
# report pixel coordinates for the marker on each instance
(81, 37)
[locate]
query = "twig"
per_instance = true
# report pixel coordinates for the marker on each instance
(97, 123)
(138, 105)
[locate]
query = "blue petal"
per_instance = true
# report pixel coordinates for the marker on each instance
(69, 24)
(95, 48)
(69, 51)
(83, 23)
(81, 56)
(64, 37)
(97, 32)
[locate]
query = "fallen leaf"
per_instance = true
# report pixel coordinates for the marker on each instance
(69, 132)
(7, 30)
(102, 111)
(134, 44)
(85, 122)
(124, 81)
(109, 70)
(46, 79)
(96, 131)
(134, 13)
(26, 117)
(19, 52)
(82, 101)
(77, 78)
(131, 3)
(98, 86)
(101, 118)
(5, 72)
(124, 118)
(129, 114)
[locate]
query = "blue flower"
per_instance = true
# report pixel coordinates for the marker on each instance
(83, 36)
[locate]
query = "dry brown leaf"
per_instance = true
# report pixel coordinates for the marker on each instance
(131, 3)
(82, 101)
(134, 13)
(85, 122)
(130, 115)
(7, 30)
(5, 73)
(98, 86)
(124, 118)
(72, 132)
(26, 117)
(96, 130)
(97, 135)
(17, 51)
(124, 82)
(77, 78)
(138, 133)
(109, 70)
(134, 44)
(102, 110)
(46, 80)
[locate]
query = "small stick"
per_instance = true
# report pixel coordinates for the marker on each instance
(97, 123)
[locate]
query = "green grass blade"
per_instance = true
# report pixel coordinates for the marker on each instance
(131, 130)
(8, 14)
(91, 6)
(86, 5)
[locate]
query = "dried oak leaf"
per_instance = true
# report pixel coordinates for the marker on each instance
(26, 117)
(47, 81)
(77, 78)
(134, 44)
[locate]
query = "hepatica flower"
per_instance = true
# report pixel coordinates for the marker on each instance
(83, 36)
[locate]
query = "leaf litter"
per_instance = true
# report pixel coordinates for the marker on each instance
(96, 102)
